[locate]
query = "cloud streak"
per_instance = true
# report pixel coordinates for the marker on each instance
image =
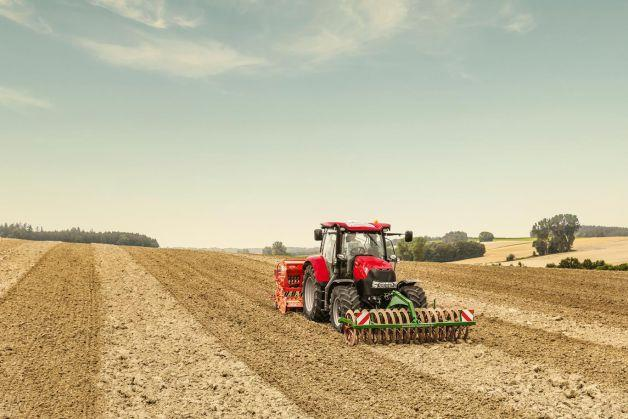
(346, 27)
(514, 21)
(319, 31)
(179, 58)
(22, 13)
(153, 13)
(521, 23)
(18, 99)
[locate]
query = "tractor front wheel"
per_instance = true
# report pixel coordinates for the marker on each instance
(313, 297)
(343, 299)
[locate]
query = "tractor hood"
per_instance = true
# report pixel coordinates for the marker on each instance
(363, 264)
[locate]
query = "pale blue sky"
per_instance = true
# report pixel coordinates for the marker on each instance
(237, 123)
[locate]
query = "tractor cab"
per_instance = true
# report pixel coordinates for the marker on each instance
(350, 249)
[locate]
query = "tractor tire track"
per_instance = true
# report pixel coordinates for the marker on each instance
(308, 361)
(158, 361)
(17, 260)
(49, 325)
(6, 245)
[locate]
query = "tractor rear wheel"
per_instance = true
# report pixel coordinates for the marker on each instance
(415, 294)
(313, 297)
(343, 299)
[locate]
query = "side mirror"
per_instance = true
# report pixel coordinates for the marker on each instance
(408, 236)
(318, 234)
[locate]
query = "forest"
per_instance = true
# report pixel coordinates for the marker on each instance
(75, 235)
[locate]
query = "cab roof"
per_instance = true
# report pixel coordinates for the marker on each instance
(356, 226)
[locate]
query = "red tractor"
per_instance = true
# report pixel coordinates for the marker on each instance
(355, 270)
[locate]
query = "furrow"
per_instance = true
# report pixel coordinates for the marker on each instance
(308, 361)
(159, 361)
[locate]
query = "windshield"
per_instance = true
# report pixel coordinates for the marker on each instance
(356, 244)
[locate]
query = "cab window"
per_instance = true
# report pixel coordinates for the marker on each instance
(329, 248)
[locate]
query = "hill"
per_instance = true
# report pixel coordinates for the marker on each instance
(612, 250)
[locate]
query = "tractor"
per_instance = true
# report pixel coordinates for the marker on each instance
(352, 283)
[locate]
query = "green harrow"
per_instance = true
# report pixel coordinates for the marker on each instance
(401, 322)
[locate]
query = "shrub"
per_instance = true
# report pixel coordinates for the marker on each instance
(510, 258)
(278, 248)
(466, 250)
(570, 263)
(448, 252)
(486, 236)
(439, 252)
(413, 250)
(600, 265)
(455, 236)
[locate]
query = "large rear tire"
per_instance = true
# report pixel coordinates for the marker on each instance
(415, 294)
(343, 299)
(313, 297)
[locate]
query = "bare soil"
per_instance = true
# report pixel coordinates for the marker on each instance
(309, 362)
(49, 323)
(17, 258)
(158, 360)
(133, 332)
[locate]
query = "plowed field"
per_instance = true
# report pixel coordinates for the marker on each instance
(93, 330)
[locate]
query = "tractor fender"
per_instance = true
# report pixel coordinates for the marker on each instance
(330, 286)
(404, 283)
(321, 273)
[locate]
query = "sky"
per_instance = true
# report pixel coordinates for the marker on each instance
(241, 122)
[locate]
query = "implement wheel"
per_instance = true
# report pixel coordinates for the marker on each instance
(415, 294)
(343, 299)
(313, 297)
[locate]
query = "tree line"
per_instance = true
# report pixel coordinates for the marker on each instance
(278, 248)
(599, 265)
(601, 231)
(75, 235)
(552, 235)
(452, 246)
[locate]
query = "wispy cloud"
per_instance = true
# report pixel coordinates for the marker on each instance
(153, 13)
(347, 26)
(520, 23)
(513, 20)
(23, 13)
(18, 99)
(175, 57)
(318, 31)
(341, 27)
